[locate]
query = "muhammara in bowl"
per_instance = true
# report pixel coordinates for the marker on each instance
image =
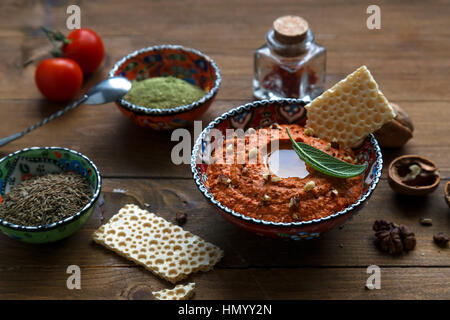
(46, 193)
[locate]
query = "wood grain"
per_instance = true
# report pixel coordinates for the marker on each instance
(408, 62)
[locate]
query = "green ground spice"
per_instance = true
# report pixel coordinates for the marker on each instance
(163, 93)
(46, 199)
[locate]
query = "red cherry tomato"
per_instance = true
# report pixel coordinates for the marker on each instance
(58, 79)
(86, 48)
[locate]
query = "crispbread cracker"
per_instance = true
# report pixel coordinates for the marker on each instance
(160, 246)
(180, 292)
(349, 111)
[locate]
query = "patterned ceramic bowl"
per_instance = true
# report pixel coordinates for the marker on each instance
(21, 165)
(169, 60)
(261, 114)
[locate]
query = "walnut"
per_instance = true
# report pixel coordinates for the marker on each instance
(392, 238)
(309, 131)
(275, 179)
(250, 131)
(379, 225)
(335, 144)
(408, 238)
(440, 239)
(396, 132)
(294, 203)
(426, 221)
(309, 186)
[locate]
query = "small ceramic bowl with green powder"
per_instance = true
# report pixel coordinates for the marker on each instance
(46, 194)
(172, 86)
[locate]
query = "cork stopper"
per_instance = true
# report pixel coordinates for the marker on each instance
(290, 29)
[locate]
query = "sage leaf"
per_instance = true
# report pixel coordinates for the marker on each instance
(325, 163)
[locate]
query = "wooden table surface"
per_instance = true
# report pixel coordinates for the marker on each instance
(409, 58)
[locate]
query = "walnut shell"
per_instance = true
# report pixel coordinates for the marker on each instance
(403, 181)
(447, 193)
(396, 132)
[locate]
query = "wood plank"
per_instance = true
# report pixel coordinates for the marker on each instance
(305, 283)
(409, 70)
(122, 149)
(411, 74)
(350, 246)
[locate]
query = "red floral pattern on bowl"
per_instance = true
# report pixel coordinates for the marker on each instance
(169, 60)
(285, 111)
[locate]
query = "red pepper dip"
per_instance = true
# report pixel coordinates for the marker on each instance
(292, 192)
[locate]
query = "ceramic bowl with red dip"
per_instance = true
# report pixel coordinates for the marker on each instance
(293, 200)
(175, 61)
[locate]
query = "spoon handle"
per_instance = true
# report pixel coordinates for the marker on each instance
(42, 122)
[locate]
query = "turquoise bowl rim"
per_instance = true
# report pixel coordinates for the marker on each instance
(70, 219)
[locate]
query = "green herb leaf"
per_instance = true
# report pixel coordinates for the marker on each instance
(324, 163)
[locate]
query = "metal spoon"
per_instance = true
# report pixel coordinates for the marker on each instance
(108, 90)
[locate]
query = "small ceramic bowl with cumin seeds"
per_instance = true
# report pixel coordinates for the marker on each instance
(26, 163)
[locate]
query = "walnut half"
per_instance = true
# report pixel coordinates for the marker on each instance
(447, 193)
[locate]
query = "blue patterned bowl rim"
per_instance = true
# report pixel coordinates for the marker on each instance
(77, 215)
(254, 105)
(162, 112)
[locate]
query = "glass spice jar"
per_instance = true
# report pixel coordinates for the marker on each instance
(290, 64)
